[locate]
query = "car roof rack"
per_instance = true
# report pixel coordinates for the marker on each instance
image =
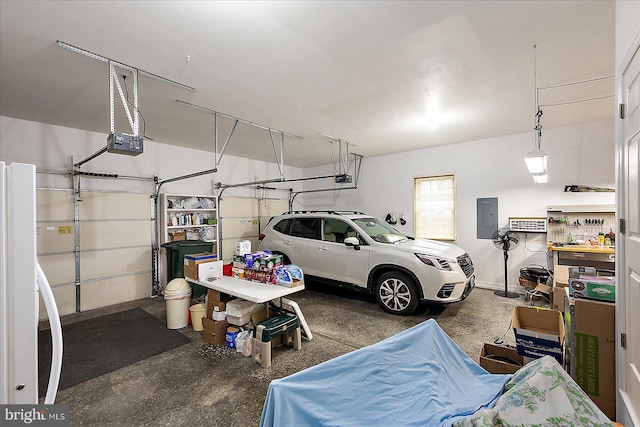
(327, 212)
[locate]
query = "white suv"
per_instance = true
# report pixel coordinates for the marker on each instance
(362, 251)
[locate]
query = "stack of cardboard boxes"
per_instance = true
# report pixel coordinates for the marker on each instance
(588, 302)
(214, 331)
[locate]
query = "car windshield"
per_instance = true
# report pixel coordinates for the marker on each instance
(379, 230)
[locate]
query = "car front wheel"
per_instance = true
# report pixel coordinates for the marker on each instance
(396, 293)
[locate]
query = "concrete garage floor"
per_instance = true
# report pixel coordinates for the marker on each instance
(201, 385)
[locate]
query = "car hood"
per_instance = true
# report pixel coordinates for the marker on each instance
(431, 247)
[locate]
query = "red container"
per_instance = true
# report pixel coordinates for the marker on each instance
(226, 270)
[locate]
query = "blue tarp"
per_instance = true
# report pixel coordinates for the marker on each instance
(419, 377)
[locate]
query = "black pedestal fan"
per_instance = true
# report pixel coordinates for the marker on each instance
(506, 241)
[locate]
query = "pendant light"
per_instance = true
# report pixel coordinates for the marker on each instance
(536, 160)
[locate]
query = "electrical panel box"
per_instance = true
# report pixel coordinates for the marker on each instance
(124, 143)
(487, 217)
(528, 225)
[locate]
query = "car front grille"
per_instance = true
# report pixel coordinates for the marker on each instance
(464, 261)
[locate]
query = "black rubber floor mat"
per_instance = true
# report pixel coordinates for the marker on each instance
(98, 346)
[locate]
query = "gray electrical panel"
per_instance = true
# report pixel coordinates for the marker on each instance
(487, 217)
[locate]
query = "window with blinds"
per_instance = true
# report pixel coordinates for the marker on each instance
(434, 201)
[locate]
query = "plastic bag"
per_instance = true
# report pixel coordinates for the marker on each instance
(207, 204)
(242, 340)
(249, 348)
(191, 203)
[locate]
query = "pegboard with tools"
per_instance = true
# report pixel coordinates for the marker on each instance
(582, 227)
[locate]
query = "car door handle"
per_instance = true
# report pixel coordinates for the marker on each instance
(286, 242)
(322, 248)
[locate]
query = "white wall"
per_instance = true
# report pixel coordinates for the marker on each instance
(582, 154)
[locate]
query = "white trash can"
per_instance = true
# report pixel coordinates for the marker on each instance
(178, 297)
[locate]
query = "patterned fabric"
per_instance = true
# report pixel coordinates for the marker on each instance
(540, 394)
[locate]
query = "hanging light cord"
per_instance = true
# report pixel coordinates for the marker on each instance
(538, 126)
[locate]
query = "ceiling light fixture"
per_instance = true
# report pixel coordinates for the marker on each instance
(536, 159)
(540, 178)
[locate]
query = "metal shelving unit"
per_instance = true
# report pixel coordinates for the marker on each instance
(197, 223)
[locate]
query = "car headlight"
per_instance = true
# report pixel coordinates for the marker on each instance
(439, 263)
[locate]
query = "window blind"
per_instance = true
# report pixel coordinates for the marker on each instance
(435, 207)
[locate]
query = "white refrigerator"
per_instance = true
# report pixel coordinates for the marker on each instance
(22, 281)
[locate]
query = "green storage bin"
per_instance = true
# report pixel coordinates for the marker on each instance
(175, 260)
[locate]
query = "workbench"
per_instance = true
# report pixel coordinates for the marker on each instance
(600, 257)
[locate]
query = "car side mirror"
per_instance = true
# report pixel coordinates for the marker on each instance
(352, 241)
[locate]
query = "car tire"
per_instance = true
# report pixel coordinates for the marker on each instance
(396, 293)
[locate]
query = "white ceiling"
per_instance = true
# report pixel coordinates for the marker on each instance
(388, 76)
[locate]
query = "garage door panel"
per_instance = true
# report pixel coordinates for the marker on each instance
(113, 234)
(108, 263)
(273, 208)
(103, 293)
(53, 237)
(65, 297)
(240, 227)
(107, 206)
(239, 207)
(59, 269)
(240, 221)
(54, 205)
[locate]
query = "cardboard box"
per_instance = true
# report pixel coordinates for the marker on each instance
(215, 307)
(216, 296)
(214, 327)
(259, 316)
(191, 262)
(291, 284)
(178, 235)
(219, 315)
(560, 292)
(596, 288)
(268, 262)
(214, 332)
(595, 352)
(212, 338)
(500, 359)
(209, 271)
(561, 275)
(539, 332)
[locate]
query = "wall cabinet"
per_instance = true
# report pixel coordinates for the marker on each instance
(189, 217)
